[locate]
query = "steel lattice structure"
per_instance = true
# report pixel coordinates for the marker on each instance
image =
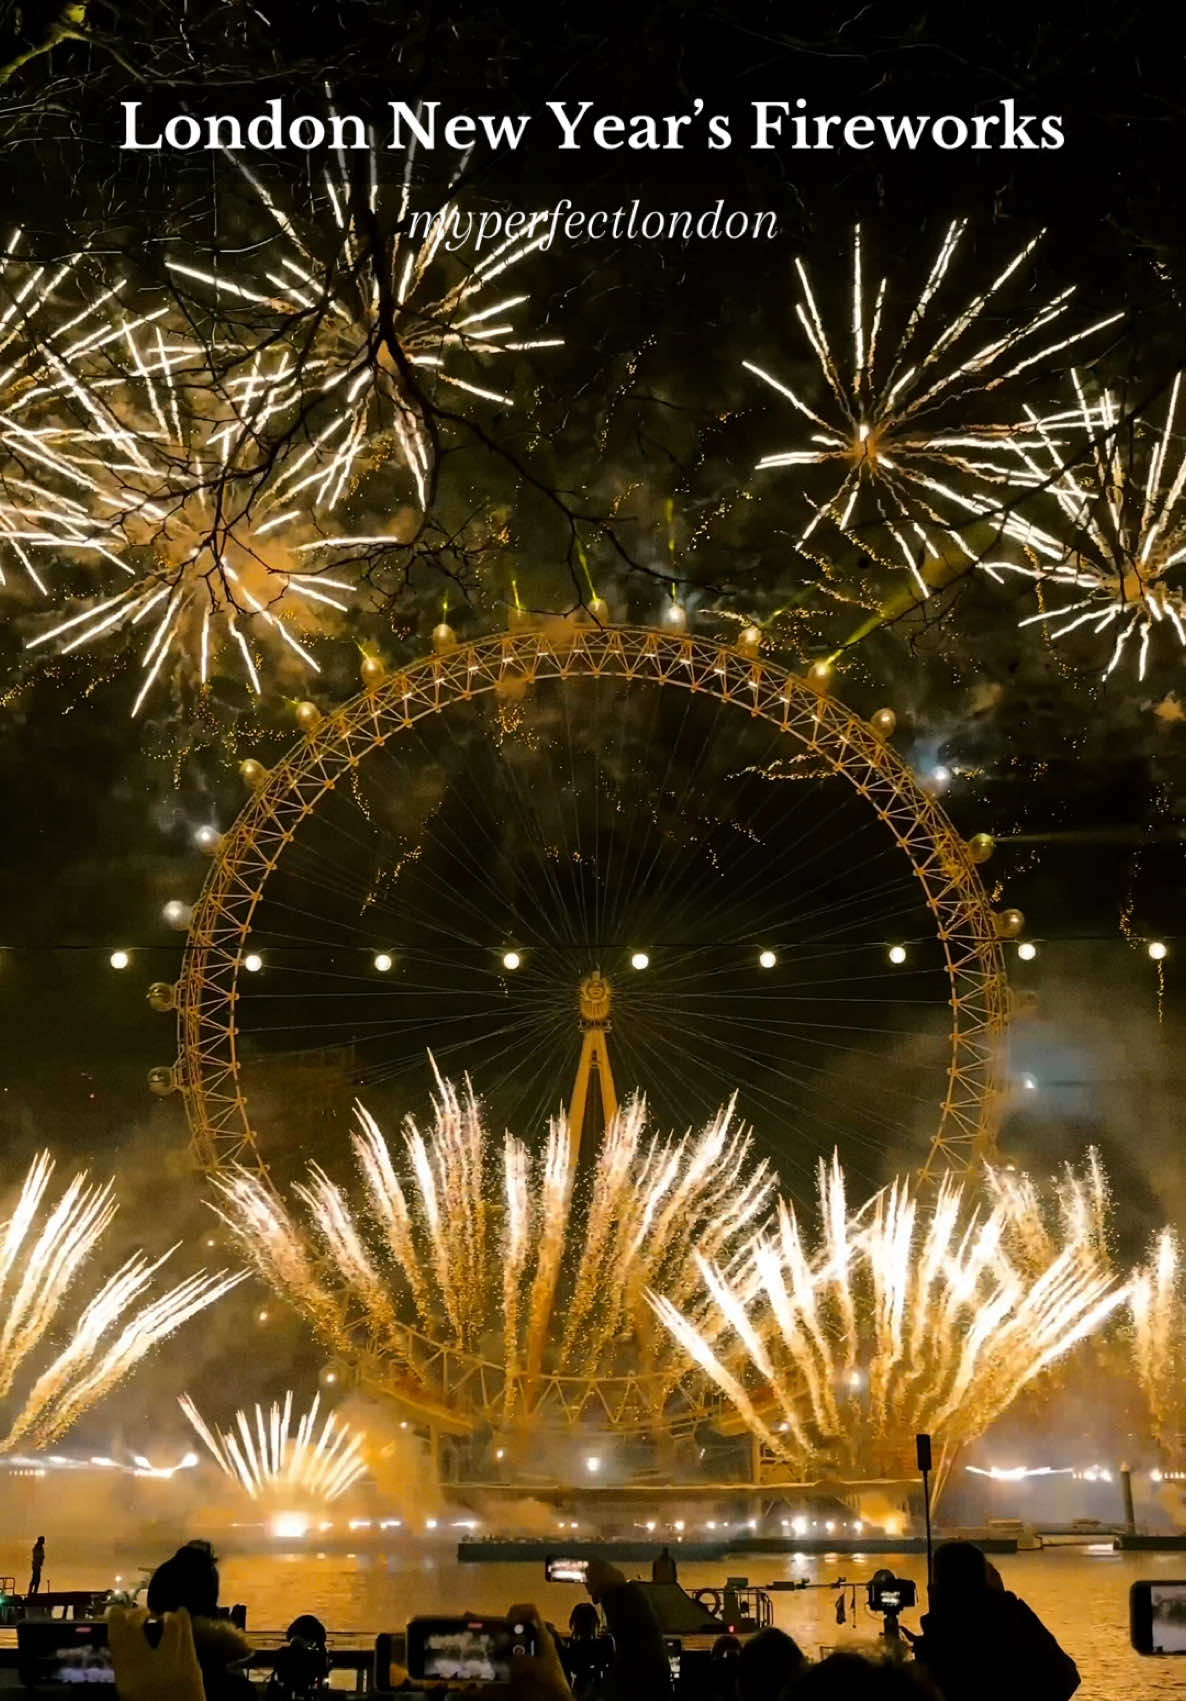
(207, 1071)
(457, 1392)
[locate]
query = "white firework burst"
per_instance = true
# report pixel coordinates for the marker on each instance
(893, 416)
(266, 1458)
(57, 333)
(192, 507)
(1120, 540)
(364, 296)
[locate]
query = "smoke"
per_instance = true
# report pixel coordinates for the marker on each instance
(1104, 1073)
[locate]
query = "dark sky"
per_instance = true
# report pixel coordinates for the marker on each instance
(644, 413)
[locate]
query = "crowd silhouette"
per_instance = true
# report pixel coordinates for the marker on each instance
(976, 1641)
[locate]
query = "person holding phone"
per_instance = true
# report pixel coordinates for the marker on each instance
(538, 1676)
(190, 1580)
(980, 1642)
(640, 1665)
(162, 1668)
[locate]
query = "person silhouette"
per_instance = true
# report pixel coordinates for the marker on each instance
(38, 1563)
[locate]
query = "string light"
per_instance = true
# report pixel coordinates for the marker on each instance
(511, 959)
(897, 954)
(1158, 951)
(382, 962)
(1027, 951)
(639, 960)
(253, 962)
(767, 959)
(121, 959)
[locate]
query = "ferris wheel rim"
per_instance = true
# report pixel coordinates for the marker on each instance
(207, 1070)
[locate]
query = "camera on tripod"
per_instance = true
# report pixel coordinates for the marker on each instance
(890, 1595)
(302, 1666)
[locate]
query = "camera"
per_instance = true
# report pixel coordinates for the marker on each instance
(890, 1595)
(301, 1667)
(469, 1650)
(1157, 1617)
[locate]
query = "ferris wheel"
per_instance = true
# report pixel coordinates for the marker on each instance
(776, 904)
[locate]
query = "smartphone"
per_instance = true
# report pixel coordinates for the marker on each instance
(1157, 1617)
(565, 1570)
(674, 1648)
(60, 1651)
(466, 1650)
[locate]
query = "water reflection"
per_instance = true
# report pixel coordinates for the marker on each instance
(1081, 1593)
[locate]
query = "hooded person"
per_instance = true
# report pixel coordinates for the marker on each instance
(190, 1579)
(979, 1641)
(767, 1663)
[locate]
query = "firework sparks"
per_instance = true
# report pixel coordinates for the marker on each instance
(317, 1462)
(1159, 1340)
(56, 343)
(904, 1317)
(372, 321)
(43, 1250)
(482, 1249)
(191, 508)
(1121, 537)
(892, 417)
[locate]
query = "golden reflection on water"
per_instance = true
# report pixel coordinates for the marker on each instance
(1081, 1594)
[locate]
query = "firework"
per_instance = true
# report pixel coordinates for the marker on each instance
(477, 1247)
(1159, 1341)
(892, 416)
(43, 1250)
(181, 493)
(318, 1462)
(905, 1316)
(56, 345)
(1120, 541)
(360, 291)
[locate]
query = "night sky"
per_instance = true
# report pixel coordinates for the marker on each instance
(646, 426)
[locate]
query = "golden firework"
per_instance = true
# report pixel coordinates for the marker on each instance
(1159, 1341)
(910, 1314)
(316, 1463)
(43, 1250)
(1116, 555)
(360, 294)
(177, 488)
(482, 1281)
(912, 466)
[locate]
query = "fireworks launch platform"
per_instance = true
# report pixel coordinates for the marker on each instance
(512, 1551)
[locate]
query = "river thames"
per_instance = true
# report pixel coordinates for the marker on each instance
(1080, 1593)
